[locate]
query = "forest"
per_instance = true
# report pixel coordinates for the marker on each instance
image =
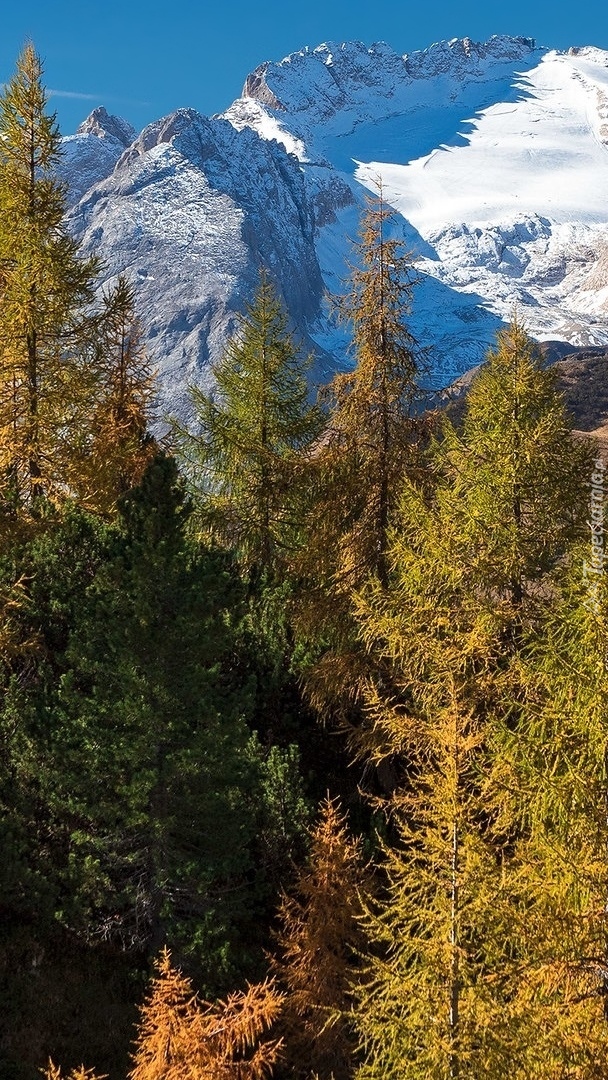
(303, 707)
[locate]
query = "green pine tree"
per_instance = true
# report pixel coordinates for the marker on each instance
(256, 431)
(127, 774)
(148, 660)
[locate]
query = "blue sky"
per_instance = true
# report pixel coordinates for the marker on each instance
(143, 60)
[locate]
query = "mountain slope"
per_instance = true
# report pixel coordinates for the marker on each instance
(191, 211)
(495, 155)
(91, 154)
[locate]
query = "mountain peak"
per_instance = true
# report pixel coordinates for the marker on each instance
(103, 125)
(256, 87)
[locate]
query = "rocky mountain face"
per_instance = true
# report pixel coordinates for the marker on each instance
(91, 154)
(583, 380)
(494, 155)
(190, 211)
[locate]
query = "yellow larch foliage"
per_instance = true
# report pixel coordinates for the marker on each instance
(317, 949)
(120, 445)
(46, 292)
(183, 1038)
(374, 440)
(167, 1019)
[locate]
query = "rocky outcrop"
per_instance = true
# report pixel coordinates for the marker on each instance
(91, 154)
(257, 88)
(105, 126)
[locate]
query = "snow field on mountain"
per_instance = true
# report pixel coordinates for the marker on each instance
(530, 154)
(495, 156)
(512, 203)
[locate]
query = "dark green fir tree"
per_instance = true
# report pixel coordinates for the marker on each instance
(255, 433)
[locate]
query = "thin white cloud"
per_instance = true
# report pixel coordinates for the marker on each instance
(73, 94)
(96, 97)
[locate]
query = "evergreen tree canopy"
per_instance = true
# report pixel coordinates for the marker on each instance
(256, 432)
(127, 751)
(120, 444)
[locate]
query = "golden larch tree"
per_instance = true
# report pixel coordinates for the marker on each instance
(47, 327)
(373, 440)
(487, 954)
(120, 444)
(318, 939)
(52, 1072)
(183, 1038)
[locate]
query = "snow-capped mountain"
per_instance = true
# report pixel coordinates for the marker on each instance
(495, 157)
(190, 212)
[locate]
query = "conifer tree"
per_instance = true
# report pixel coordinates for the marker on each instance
(46, 290)
(182, 1038)
(373, 441)
(514, 475)
(475, 576)
(256, 429)
(126, 778)
(120, 444)
(52, 1072)
(371, 421)
(164, 1043)
(435, 999)
(317, 945)
(372, 430)
(553, 769)
(146, 682)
